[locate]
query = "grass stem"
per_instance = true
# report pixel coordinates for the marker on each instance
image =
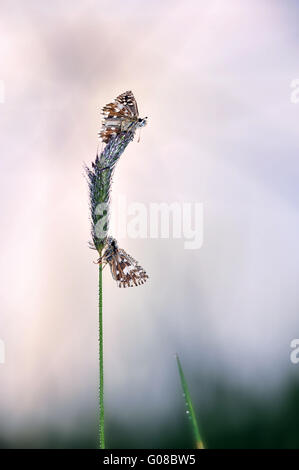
(101, 360)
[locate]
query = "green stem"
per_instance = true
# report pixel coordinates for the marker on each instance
(101, 358)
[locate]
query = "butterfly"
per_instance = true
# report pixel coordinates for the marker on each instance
(120, 116)
(124, 269)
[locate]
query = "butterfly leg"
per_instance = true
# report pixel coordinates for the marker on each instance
(139, 134)
(102, 262)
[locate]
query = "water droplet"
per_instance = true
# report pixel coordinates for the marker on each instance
(187, 412)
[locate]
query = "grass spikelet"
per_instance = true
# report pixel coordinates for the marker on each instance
(99, 177)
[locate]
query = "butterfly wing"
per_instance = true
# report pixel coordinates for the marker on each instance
(126, 270)
(127, 99)
(122, 109)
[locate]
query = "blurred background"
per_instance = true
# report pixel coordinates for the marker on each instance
(215, 79)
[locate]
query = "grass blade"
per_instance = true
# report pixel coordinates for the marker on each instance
(190, 410)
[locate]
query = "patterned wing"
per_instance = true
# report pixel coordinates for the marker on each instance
(123, 108)
(126, 270)
(128, 101)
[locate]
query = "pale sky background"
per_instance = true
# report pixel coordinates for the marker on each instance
(214, 79)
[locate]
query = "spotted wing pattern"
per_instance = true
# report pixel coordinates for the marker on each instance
(127, 99)
(124, 268)
(118, 116)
